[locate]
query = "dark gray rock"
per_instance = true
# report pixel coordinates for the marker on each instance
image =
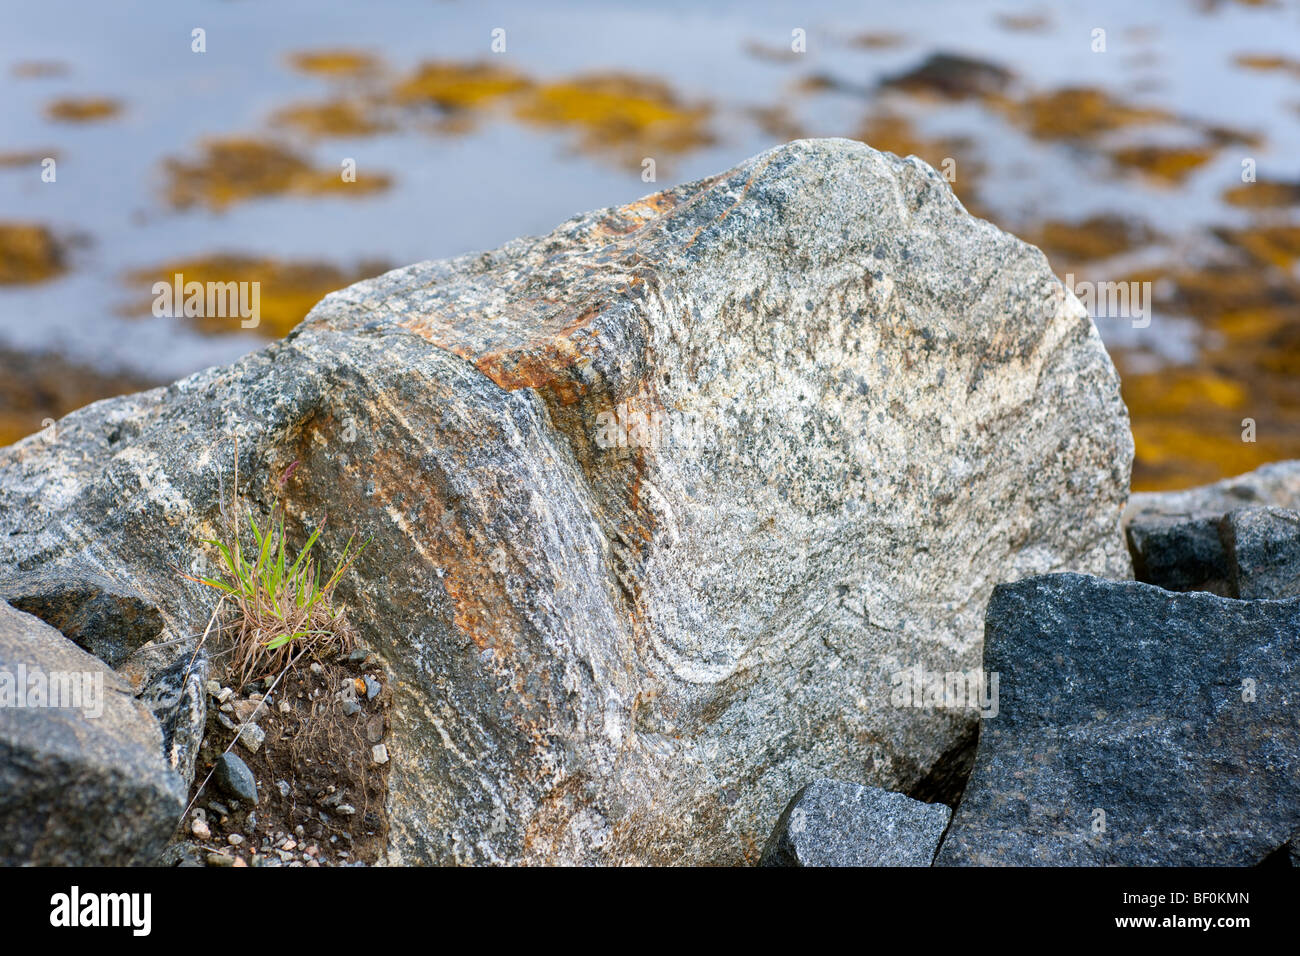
(182, 854)
(168, 676)
(1137, 726)
(1249, 553)
(1175, 537)
(232, 776)
(833, 823)
(1263, 546)
(83, 783)
(1179, 552)
(105, 617)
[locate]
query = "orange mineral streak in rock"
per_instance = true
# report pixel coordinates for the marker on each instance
(542, 341)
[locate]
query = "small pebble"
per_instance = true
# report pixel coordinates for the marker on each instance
(199, 827)
(284, 788)
(235, 839)
(347, 809)
(252, 737)
(351, 707)
(372, 687)
(285, 707)
(380, 753)
(233, 777)
(317, 669)
(220, 859)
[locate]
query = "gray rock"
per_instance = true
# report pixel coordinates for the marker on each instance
(1263, 546)
(832, 823)
(1276, 484)
(182, 854)
(1249, 553)
(1180, 552)
(83, 783)
(103, 616)
(232, 775)
(661, 503)
(252, 737)
(373, 687)
(1137, 727)
(168, 677)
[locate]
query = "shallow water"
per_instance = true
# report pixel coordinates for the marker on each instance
(1126, 165)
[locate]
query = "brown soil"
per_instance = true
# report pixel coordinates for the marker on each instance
(325, 757)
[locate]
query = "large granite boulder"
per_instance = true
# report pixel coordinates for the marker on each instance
(1137, 727)
(661, 503)
(83, 781)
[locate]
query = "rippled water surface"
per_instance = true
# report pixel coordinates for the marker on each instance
(1125, 164)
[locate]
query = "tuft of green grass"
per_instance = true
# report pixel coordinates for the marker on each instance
(281, 605)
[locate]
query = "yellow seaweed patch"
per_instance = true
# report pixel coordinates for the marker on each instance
(286, 289)
(1167, 165)
(1273, 245)
(331, 118)
(29, 158)
(1268, 63)
(1078, 113)
(232, 170)
(34, 388)
(1187, 427)
(334, 62)
(82, 109)
(1263, 194)
(28, 253)
(1097, 237)
(618, 112)
(458, 86)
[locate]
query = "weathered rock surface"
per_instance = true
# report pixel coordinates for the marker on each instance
(659, 501)
(79, 785)
(119, 626)
(1251, 553)
(1263, 546)
(833, 823)
(1276, 484)
(99, 615)
(1180, 552)
(1137, 726)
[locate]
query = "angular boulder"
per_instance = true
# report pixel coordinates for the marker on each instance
(834, 823)
(1137, 727)
(97, 614)
(82, 776)
(660, 502)
(1263, 546)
